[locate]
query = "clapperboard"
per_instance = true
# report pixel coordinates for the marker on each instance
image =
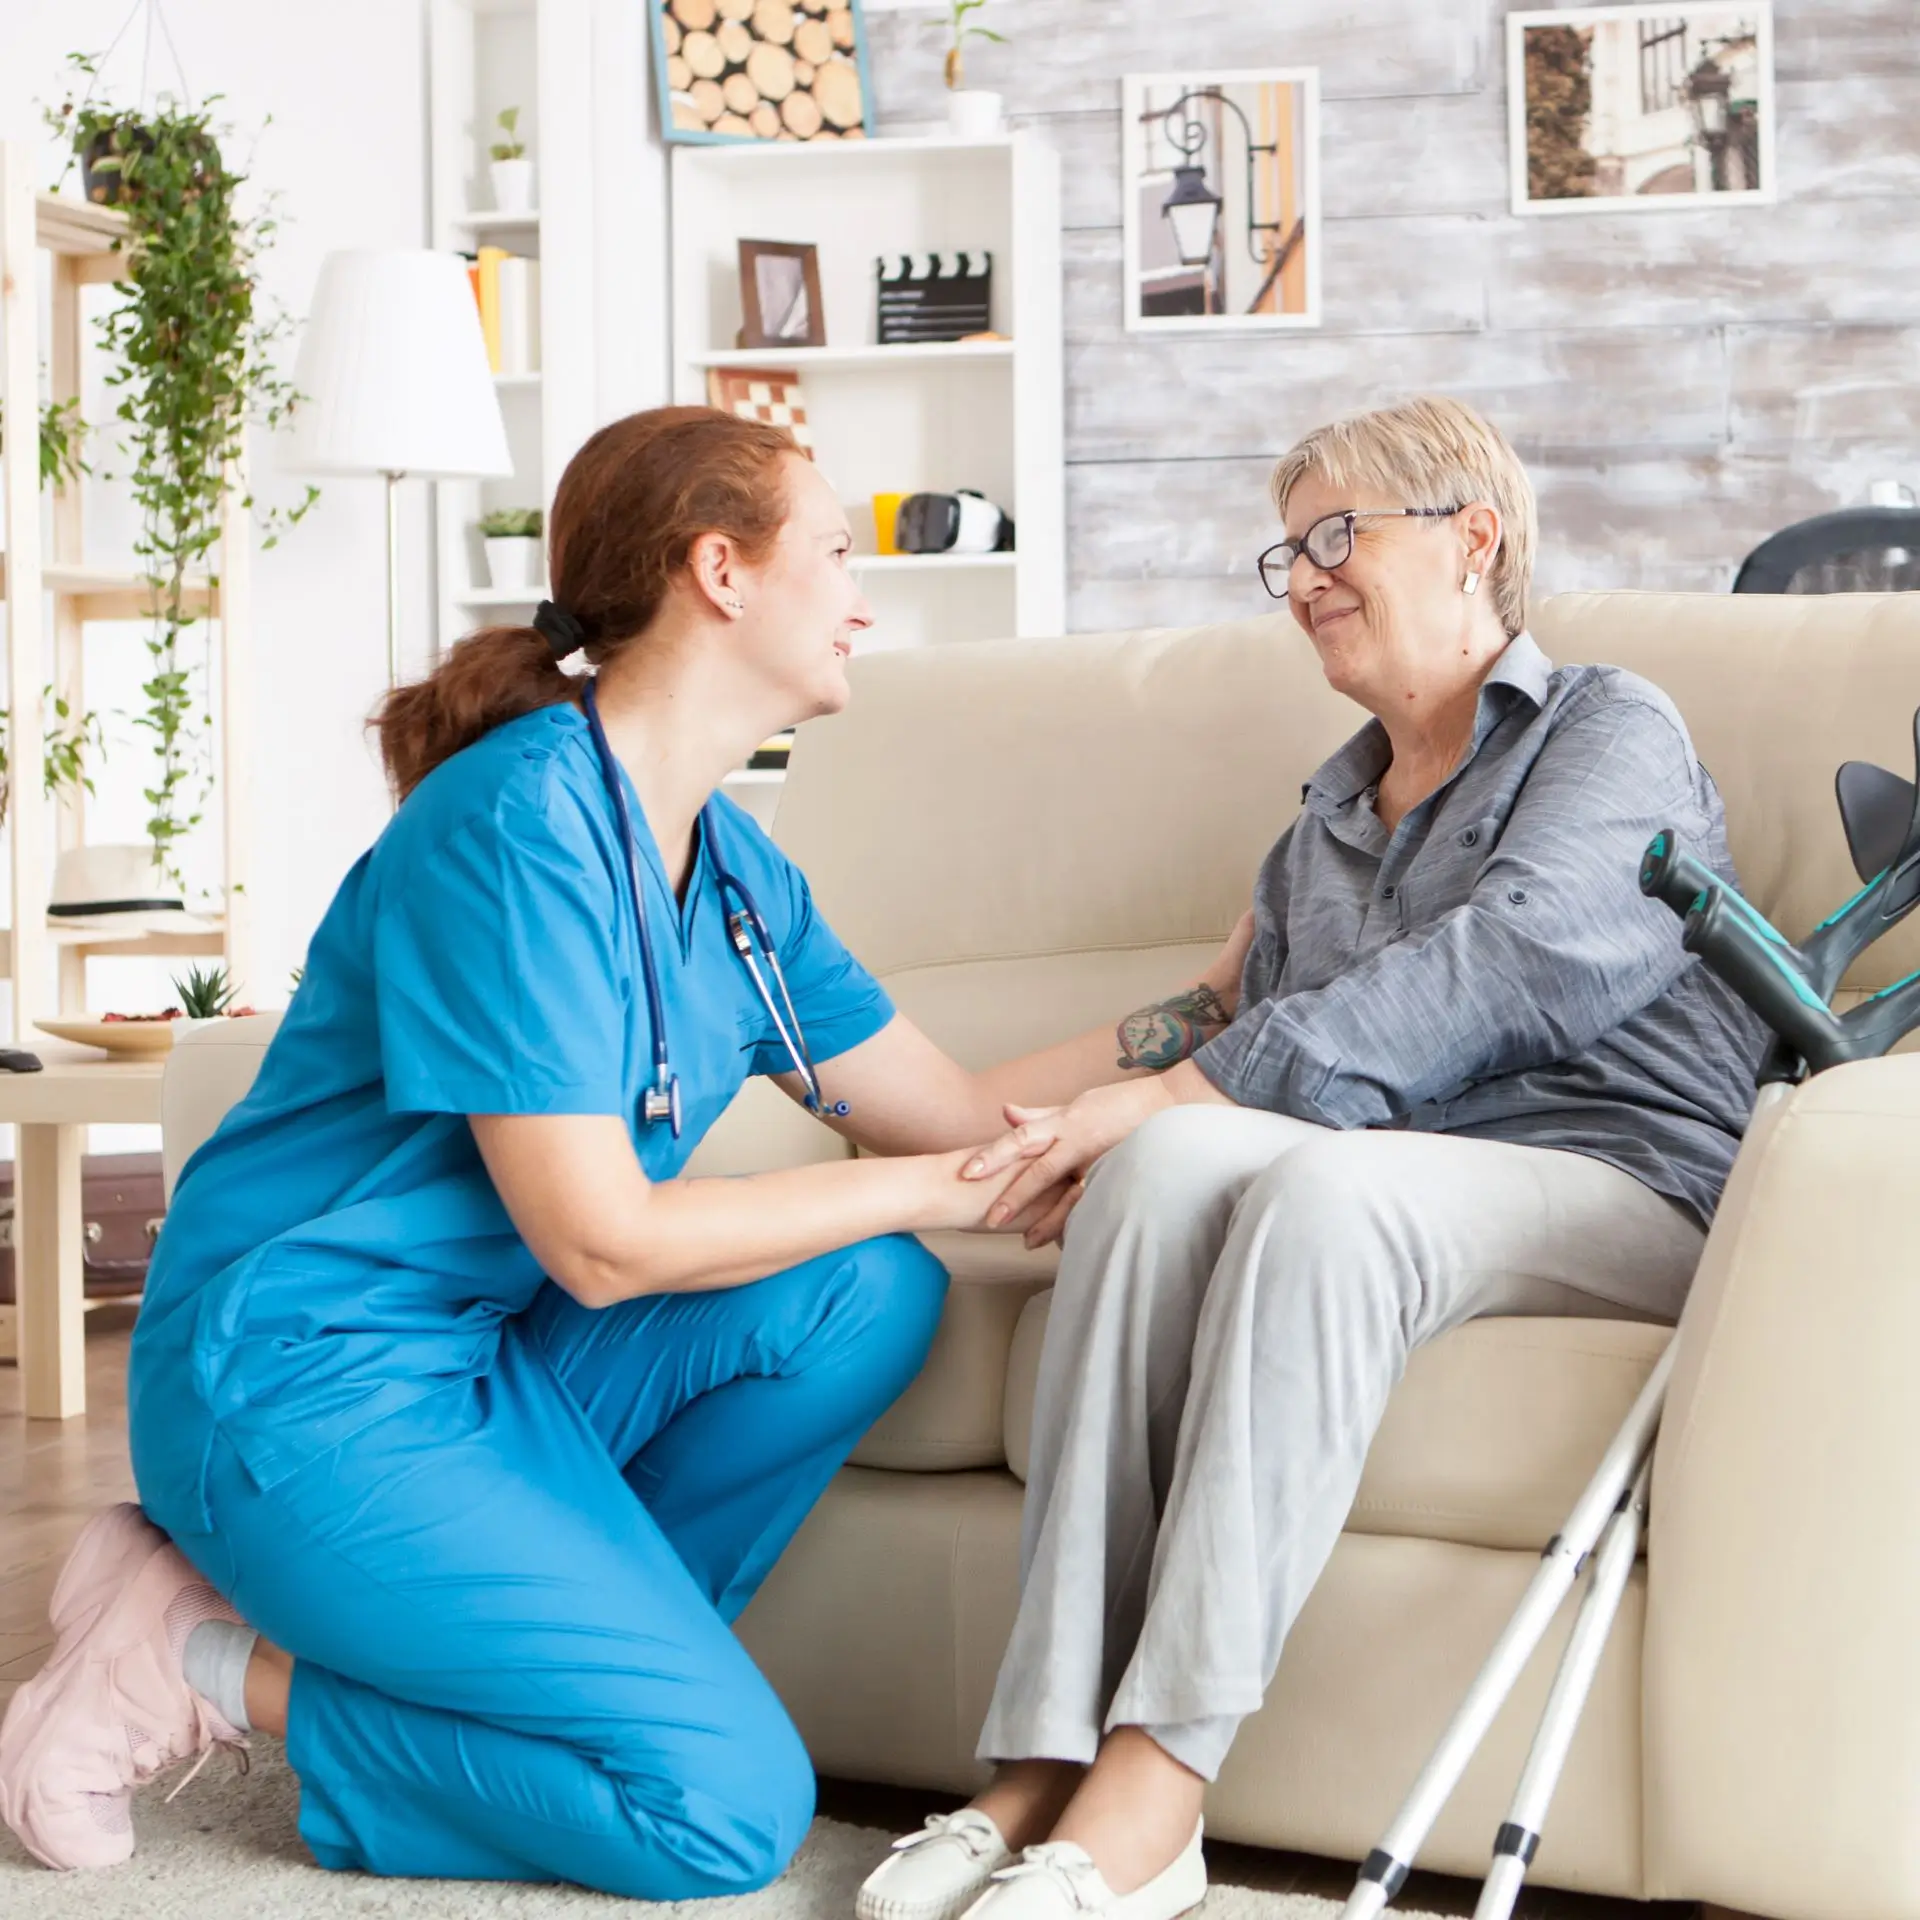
(933, 296)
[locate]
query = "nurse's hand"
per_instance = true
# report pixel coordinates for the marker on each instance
(963, 1203)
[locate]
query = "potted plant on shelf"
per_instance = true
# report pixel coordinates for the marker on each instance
(972, 113)
(192, 349)
(511, 170)
(512, 540)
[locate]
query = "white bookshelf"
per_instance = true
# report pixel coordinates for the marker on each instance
(484, 55)
(927, 417)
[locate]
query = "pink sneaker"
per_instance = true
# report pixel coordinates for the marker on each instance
(111, 1708)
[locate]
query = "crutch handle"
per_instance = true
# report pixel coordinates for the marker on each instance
(1766, 974)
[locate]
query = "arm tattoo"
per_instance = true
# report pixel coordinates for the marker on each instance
(1170, 1031)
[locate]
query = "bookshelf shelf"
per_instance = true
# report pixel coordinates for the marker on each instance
(501, 597)
(857, 359)
(910, 563)
(477, 223)
(755, 777)
(516, 382)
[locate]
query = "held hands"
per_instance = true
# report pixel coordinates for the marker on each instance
(1049, 1151)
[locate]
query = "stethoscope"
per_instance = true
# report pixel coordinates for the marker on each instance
(751, 941)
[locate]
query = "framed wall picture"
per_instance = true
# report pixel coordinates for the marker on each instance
(1638, 109)
(780, 294)
(757, 70)
(1221, 199)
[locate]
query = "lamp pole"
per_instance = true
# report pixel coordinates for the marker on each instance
(1708, 89)
(1263, 236)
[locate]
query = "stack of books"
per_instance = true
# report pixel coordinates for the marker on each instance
(772, 755)
(507, 288)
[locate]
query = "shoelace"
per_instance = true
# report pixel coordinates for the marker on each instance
(205, 1743)
(974, 1834)
(1069, 1866)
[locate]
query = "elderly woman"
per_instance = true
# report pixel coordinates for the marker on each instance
(1471, 1070)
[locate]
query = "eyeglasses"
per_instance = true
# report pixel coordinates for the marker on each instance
(1328, 543)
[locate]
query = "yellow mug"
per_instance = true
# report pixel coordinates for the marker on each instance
(886, 511)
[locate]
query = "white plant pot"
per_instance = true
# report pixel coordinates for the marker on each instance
(512, 185)
(512, 563)
(973, 113)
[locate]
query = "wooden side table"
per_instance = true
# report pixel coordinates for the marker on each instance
(79, 1088)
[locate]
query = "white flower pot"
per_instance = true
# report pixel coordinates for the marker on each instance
(512, 563)
(973, 113)
(512, 185)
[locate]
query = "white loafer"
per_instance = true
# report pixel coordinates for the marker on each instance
(1058, 1881)
(937, 1873)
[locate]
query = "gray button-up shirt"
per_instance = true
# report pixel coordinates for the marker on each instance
(1490, 967)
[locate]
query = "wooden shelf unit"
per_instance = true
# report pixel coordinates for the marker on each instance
(47, 964)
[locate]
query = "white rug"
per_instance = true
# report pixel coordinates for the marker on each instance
(228, 1849)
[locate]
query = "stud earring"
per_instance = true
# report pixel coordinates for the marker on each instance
(1472, 582)
(736, 606)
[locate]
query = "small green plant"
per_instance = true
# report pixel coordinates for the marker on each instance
(68, 743)
(62, 433)
(960, 31)
(511, 148)
(205, 994)
(511, 523)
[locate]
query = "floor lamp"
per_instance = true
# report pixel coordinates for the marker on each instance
(394, 381)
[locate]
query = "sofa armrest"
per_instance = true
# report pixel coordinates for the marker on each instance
(1782, 1665)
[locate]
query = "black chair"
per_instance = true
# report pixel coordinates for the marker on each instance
(1859, 550)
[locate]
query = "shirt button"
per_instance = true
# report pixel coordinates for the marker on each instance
(1518, 895)
(1387, 893)
(1471, 838)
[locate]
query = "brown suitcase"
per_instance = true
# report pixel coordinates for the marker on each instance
(122, 1205)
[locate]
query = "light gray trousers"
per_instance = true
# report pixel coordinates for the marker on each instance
(1238, 1295)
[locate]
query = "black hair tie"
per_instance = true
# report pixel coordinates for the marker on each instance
(564, 633)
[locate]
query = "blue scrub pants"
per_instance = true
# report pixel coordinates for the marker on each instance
(508, 1603)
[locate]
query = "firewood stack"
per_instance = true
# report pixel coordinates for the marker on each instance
(764, 69)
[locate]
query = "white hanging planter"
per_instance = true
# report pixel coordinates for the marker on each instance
(512, 185)
(973, 113)
(511, 562)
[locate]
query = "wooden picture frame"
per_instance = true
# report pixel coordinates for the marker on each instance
(1641, 109)
(780, 295)
(732, 72)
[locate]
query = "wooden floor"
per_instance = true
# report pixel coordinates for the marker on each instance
(54, 1475)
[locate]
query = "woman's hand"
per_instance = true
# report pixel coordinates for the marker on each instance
(1049, 1151)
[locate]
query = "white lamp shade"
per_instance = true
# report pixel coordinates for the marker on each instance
(393, 367)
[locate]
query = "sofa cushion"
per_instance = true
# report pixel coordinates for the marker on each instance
(1488, 1440)
(953, 1415)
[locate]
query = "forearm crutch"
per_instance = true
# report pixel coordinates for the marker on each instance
(1622, 1469)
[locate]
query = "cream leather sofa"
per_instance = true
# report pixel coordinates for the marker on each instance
(1023, 839)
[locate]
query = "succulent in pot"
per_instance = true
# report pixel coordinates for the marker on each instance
(509, 167)
(512, 540)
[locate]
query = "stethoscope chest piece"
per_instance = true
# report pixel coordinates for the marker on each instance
(663, 1103)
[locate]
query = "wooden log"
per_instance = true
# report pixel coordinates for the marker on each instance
(735, 41)
(670, 32)
(800, 114)
(694, 15)
(739, 94)
(770, 68)
(702, 54)
(812, 41)
(773, 21)
(765, 120)
(679, 74)
(836, 88)
(735, 124)
(736, 9)
(708, 101)
(840, 26)
(803, 73)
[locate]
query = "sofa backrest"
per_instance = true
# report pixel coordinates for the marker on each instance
(1024, 838)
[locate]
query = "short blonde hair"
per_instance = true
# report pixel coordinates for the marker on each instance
(1430, 452)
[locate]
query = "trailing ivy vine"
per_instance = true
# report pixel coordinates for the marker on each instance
(191, 349)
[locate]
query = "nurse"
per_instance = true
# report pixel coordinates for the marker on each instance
(463, 1425)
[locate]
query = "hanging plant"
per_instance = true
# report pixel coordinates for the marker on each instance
(69, 743)
(62, 435)
(191, 357)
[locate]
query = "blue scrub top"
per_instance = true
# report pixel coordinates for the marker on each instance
(337, 1250)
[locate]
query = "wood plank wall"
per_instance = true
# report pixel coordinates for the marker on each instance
(1680, 384)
